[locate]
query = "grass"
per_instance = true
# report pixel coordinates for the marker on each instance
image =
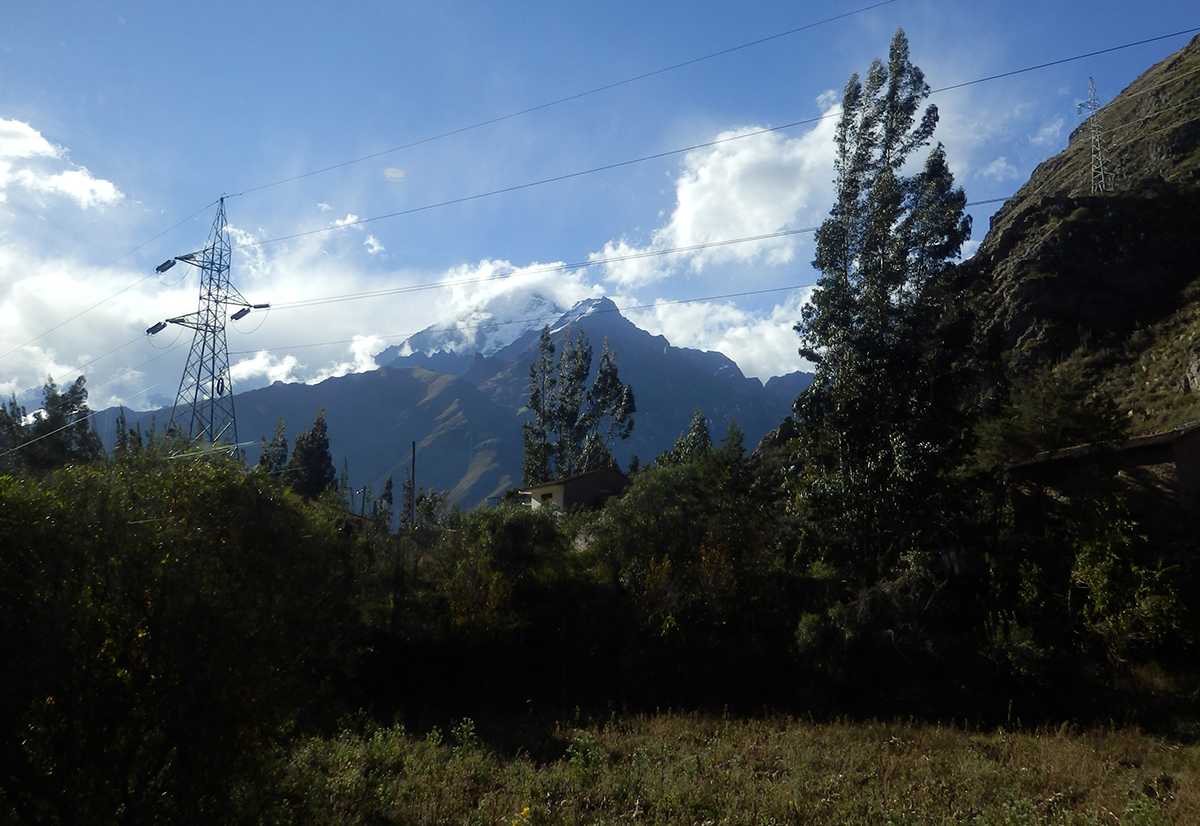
(703, 770)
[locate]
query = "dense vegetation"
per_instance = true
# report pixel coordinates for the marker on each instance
(186, 639)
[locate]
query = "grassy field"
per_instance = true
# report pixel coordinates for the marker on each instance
(703, 770)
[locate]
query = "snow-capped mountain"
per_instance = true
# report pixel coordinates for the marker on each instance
(458, 391)
(485, 329)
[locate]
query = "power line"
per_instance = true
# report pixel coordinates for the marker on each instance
(528, 185)
(79, 368)
(124, 289)
(615, 259)
(577, 96)
(485, 279)
(595, 170)
(434, 285)
(671, 152)
(1065, 60)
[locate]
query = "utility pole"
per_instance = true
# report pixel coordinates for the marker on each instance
(1101, 178)
(203, 408)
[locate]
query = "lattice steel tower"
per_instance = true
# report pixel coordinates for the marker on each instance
(204, 404)
(1101, 177)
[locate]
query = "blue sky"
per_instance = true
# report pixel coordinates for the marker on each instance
(118, 121)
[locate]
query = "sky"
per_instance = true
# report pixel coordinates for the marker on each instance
(438, 155)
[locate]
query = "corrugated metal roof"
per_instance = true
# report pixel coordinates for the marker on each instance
(1079, 451)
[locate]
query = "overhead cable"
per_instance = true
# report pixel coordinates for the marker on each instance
(671, 152)
(577, 96)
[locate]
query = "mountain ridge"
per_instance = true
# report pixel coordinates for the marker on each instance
(1107, 283)
(465, 414)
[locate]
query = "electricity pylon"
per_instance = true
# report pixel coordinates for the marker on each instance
(1101, 178)
(204, 405)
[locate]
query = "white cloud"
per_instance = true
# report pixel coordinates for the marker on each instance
(362, 359)
(263, 365)
(324, 207)
(20, 140)
(759, 184)
(106, 342)
(350, 218)
(251, 261)
(999, 170)
(22, 150)
(1050, 135)
(762, 343)
(471, 287)
(373, 246)
(393, 173)
(77, 184)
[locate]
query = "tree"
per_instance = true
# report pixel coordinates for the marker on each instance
(310, 471)
(539, 452)
(610, 409)
(1056, 407)
(274, 457)
(876, 423)
(381, 508)
(570, 418)
(60, 433)
(572, 425)
(694, 443)
(164, 624)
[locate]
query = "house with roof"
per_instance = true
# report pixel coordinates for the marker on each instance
(588, 490)
(1157, 475)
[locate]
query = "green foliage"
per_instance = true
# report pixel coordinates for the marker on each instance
(1054, 408)
(692, 445)
(878, 426)
(465, 738)
(60, 433)
(274, 456)
(543, 380)
(381, 508)
(160, 623)
(687, 769)
(310, 471)
(572, 427)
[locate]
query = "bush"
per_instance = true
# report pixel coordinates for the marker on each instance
(161, 623)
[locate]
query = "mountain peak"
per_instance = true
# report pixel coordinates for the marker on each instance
(486, 328)
(585, 308)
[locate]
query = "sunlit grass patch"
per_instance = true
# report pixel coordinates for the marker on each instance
(696, 769)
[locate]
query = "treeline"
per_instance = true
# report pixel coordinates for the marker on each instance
(170, 622)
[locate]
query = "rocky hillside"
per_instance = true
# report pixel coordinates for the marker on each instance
(1108, 281)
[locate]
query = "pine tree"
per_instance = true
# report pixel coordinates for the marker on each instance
(875, 423)
(572, 425)
(543, 381)
(574, 365)
(63, 431)
(609, 413)
(693, 444)
(310, 471)
(121, 443)
(381, 508)
(274, 456)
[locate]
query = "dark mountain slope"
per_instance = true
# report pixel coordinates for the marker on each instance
(668, 382)
(468, 429)
(464, 442)
(1108, 281)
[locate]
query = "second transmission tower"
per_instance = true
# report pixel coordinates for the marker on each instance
(1101, 176)
(204, 404)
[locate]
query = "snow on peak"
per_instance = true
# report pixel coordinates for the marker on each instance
(583, 309)
(488, 327)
